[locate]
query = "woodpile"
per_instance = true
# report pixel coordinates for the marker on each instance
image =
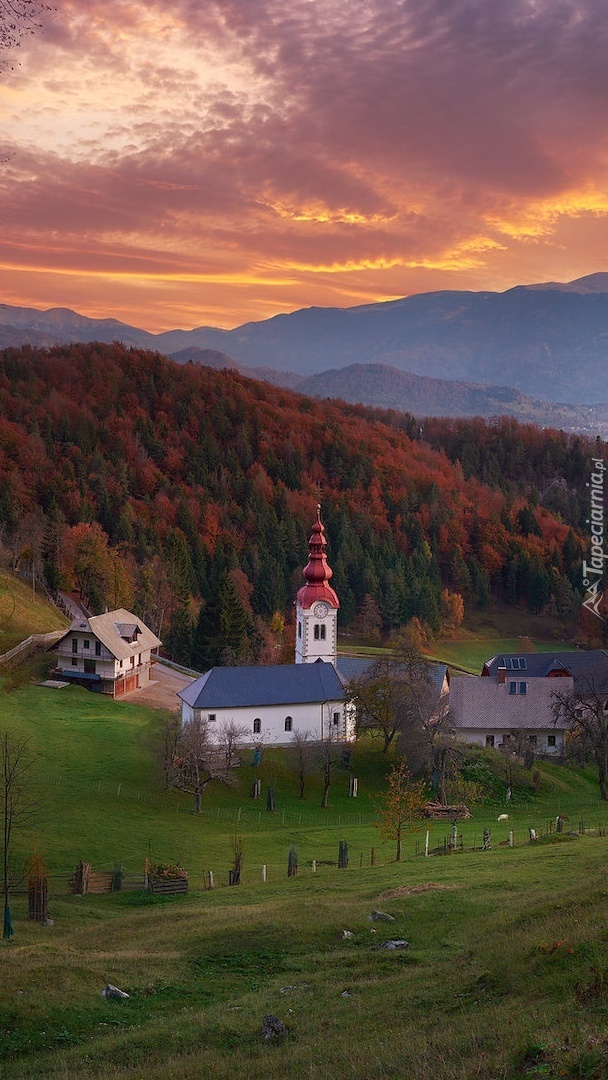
(438, 812)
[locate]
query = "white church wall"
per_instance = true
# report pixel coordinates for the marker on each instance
(273, 725)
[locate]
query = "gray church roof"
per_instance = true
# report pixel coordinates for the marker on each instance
(354, 667)
(280, 684)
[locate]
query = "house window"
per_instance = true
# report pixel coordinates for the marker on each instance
(86, 644)
(512, 687)
(551, 740)
(257, 726)
(523, 688)
(74, 662)
(132, 661)
(212, 717)
(489, 740)
(288, 723)
(98, 648)
(336, 719)
(74, 644)
(319, 632)
(532, 740)
(89, 667)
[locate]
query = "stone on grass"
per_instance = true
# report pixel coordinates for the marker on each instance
(381, 916)
(273, 1027)
(347, 934)
(113, 993)
(392, 943)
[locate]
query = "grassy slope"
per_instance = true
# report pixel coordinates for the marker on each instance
(22, 614)
(506, 975)
(501, 629)
(506, 970)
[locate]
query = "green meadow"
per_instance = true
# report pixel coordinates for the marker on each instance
(505, 975)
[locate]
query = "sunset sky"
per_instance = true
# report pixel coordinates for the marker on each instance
(207, 162)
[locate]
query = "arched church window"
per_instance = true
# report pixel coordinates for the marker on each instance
(257, 726)
(288, 723)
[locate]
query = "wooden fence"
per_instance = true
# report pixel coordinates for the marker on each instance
(169, 887)
(31, 645)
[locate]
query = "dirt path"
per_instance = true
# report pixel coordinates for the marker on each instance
(161, 692)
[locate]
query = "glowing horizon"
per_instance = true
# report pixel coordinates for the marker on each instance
(169, 165)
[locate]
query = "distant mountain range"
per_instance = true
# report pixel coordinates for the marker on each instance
(537, 352)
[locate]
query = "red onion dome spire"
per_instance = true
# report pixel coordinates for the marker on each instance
(317, 571)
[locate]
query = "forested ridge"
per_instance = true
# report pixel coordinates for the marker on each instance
(187, 494)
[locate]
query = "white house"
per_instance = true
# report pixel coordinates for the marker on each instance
(512, 703)
(110, 653)
(273, 701)
(510, 710)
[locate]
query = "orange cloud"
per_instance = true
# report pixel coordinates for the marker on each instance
(232, 160)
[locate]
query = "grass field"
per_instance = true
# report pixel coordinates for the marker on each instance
(505, 976)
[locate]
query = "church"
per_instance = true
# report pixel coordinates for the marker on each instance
(273, 701)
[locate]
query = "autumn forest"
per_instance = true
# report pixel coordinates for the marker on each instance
(187, 494)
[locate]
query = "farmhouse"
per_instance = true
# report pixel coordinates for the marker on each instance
(514, 713)
(273, 701)
(512, 703)
(109, 653)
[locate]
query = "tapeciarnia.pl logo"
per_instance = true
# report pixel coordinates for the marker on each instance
(593, 571)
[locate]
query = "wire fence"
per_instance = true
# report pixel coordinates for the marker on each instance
(251, 813)
(132, 875)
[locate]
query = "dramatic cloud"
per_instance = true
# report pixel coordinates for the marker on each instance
(177, 162)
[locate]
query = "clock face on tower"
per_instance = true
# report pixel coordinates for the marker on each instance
(320, 610)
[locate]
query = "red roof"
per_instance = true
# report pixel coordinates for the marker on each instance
(317, 572)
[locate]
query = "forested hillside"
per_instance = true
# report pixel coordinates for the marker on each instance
(188, 494)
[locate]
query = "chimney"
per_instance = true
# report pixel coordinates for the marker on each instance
(502, 674)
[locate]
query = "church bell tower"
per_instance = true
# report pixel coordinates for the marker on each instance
(317, 605)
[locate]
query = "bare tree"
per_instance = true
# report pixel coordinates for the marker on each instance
(18, 808)
(198, 760)
(171, 731)
(19, 19)
(395, 692)
(586, 716)
(328, 757)
(230, 734)
(301, 757)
